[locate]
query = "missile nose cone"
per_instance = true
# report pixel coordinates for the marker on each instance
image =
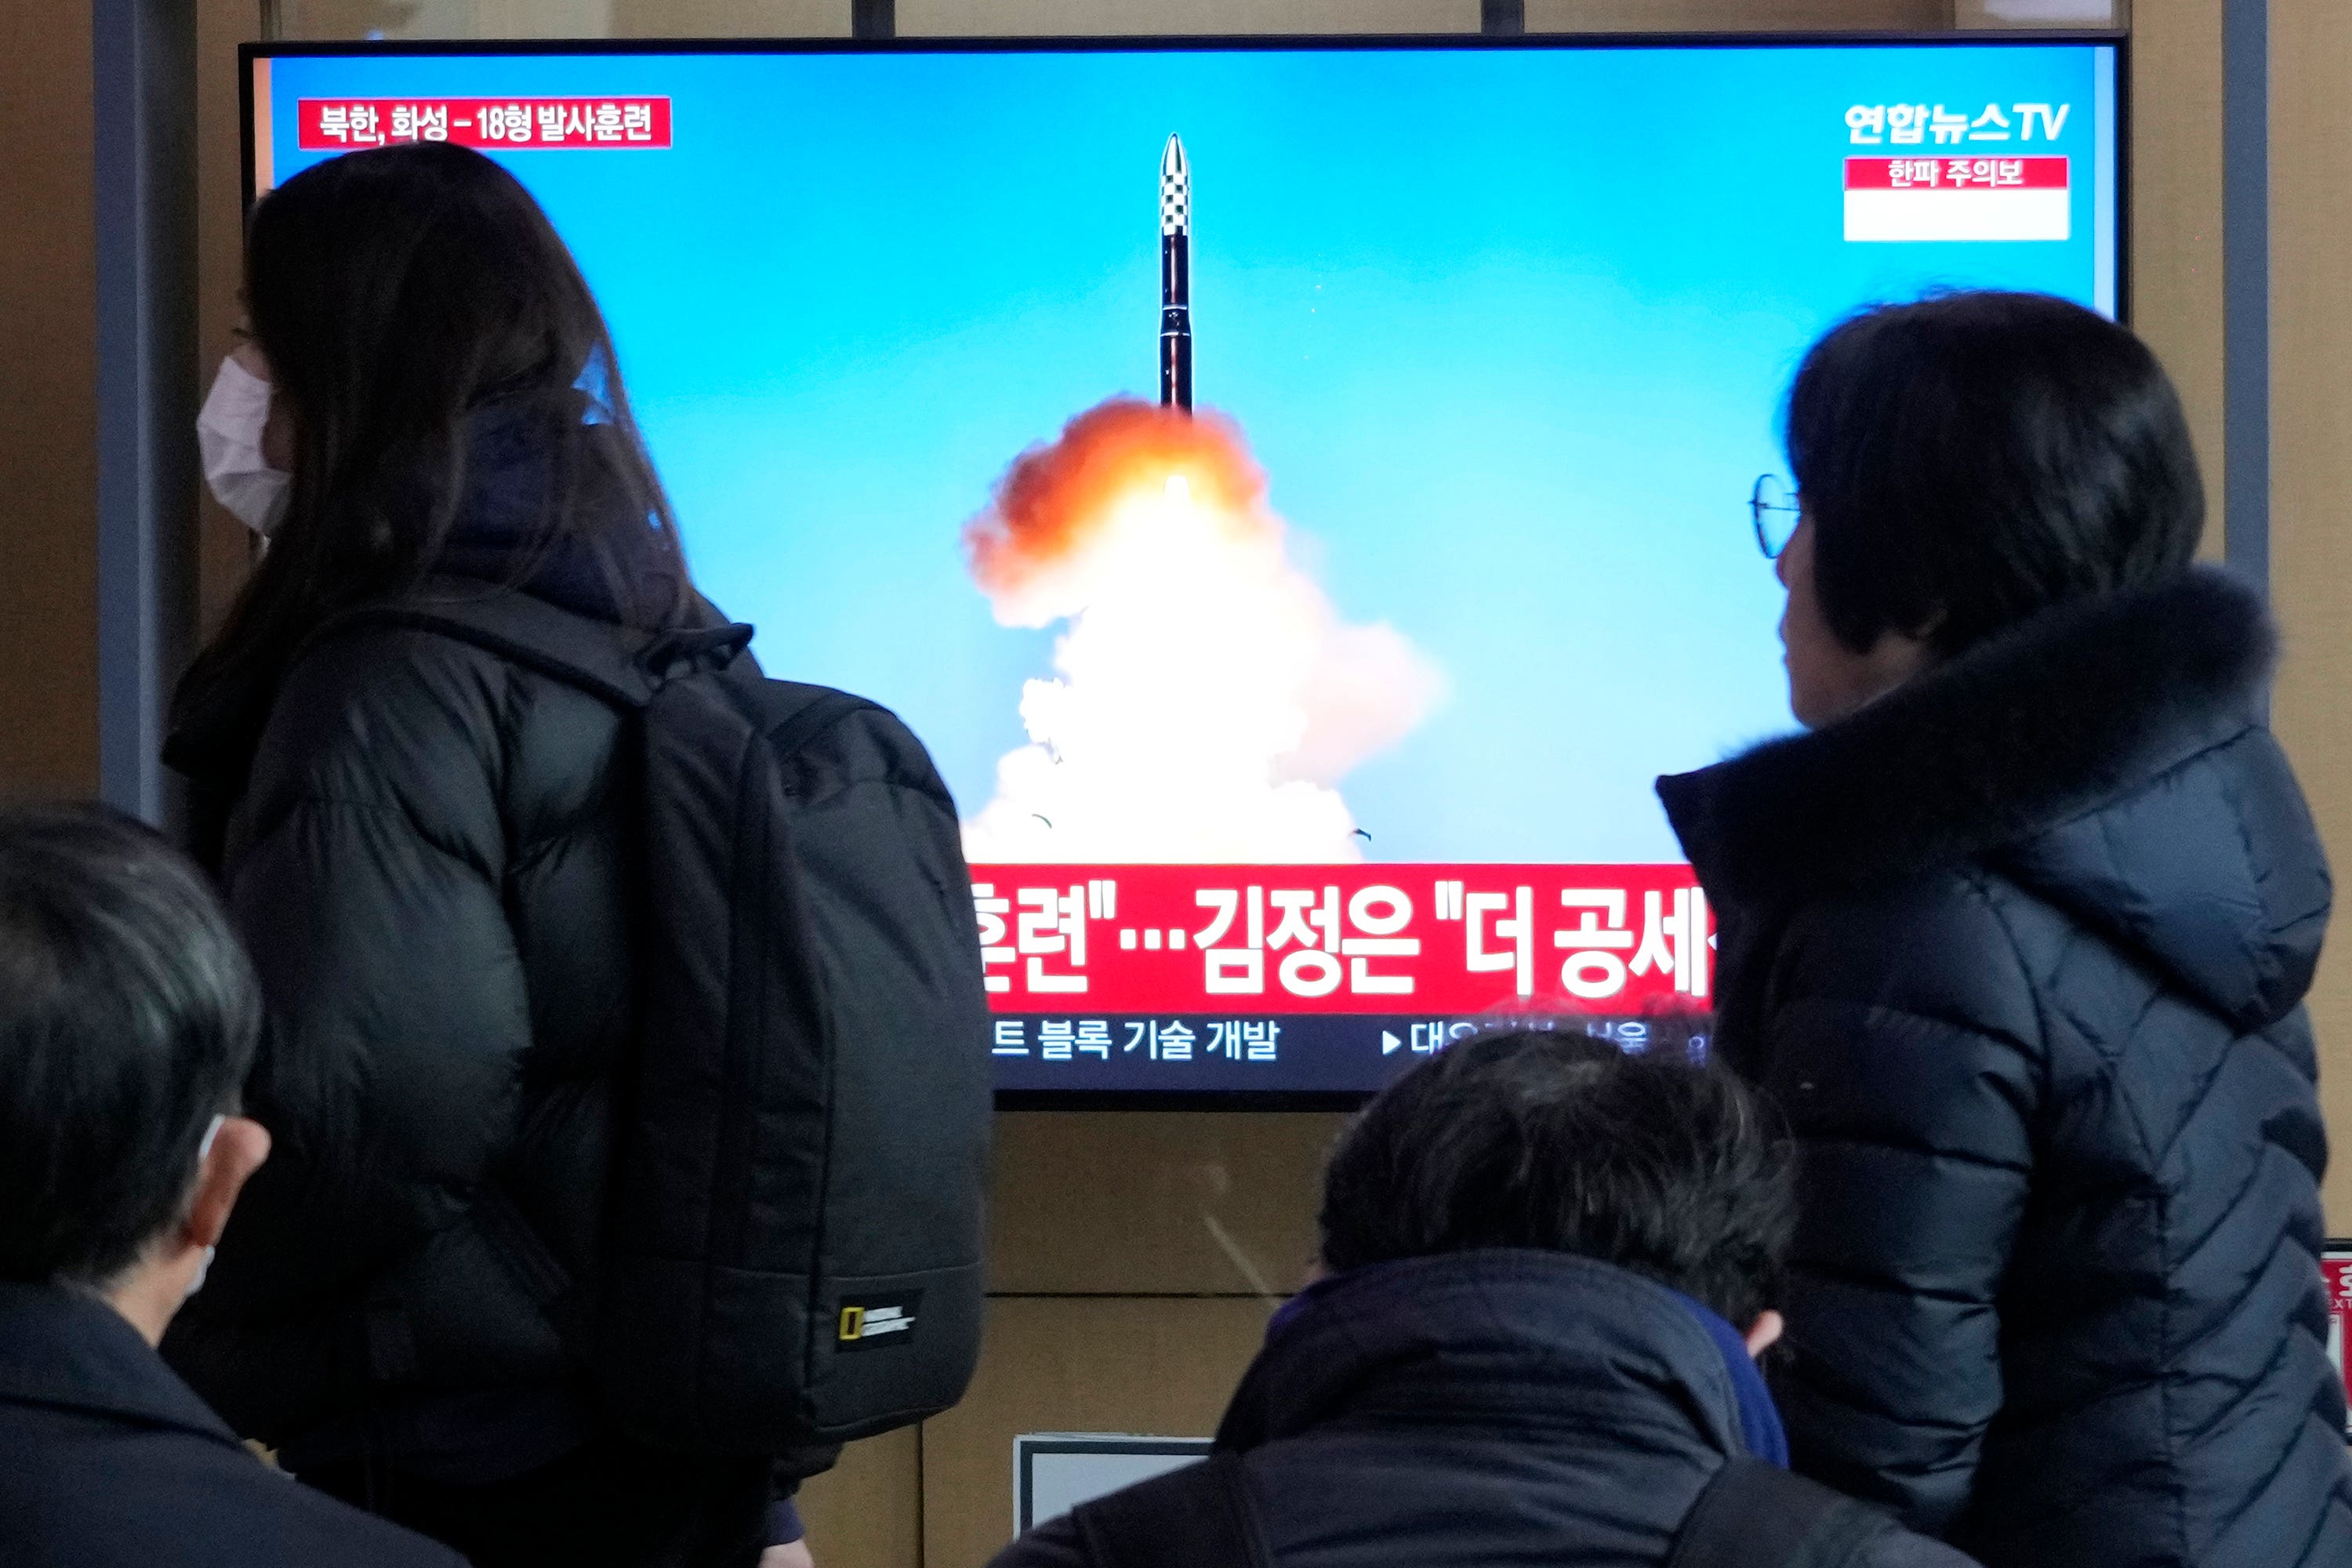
(1175, 189)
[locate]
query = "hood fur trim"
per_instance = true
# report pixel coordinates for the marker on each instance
(2033, 727)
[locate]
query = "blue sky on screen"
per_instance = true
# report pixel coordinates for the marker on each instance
(1507, 329)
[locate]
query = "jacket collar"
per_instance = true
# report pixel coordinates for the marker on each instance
(2070, 710)
(217, 718)
(511, 480)
(71, 1351)
(1518, 1336)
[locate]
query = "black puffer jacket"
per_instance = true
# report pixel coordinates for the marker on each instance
(428, 849)
(429, 861)
(2022, 948)
(1479, 1408)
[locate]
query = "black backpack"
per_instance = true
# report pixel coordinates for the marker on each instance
(792, 1251)
(1751, 1515)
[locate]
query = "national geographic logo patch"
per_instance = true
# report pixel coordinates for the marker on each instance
(877, 1323)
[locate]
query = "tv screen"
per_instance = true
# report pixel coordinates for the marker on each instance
(1299, 491)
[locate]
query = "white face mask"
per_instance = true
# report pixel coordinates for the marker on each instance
(228, 434)
(204, 1153)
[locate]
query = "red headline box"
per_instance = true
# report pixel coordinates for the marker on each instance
(1605, 941)
(2337, 1270)
(1956, 174)
(336, 124)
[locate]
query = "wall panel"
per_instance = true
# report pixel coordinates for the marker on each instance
(2311, 477)
(224, 547)
(1160, 1366)
(867, 1512)
(973, 18)
(1155, 1202)
(49, 410)
(2176, 215)
(1737, 15)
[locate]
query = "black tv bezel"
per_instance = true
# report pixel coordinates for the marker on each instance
(1271, 1101)
(2116, 38)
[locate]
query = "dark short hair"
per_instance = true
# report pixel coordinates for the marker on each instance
(1553, 1140)
(128, 1020)
(1973, 458)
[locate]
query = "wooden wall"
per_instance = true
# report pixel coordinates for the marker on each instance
(224, 547)
(2175, 243)
(48, 406)
(2311, 476)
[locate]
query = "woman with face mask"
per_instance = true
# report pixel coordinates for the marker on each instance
(245, 451)
(2018, 934)
(426, 848)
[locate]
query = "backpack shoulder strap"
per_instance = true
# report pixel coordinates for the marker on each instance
(1754, 1514)
(623, 667)
(805, 712)
(1202, 1516)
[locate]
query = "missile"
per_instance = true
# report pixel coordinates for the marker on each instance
(1175, 278)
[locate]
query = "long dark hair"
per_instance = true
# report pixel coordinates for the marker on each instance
(397, 294)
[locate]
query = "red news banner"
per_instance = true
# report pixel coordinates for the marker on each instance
(336, 124)
(2337, 1269)
(1959, 173)
(1607, 941)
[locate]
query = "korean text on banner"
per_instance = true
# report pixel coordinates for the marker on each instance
(2337, 1269)
(340, 124)
(1599, 940)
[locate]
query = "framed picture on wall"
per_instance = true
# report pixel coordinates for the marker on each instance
(1054, 1472)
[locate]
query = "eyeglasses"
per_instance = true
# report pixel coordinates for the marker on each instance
(1773, 507)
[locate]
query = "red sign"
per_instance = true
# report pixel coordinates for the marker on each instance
(335, 124)
(1601, 940)
(1974, 173)
(2336, 1268)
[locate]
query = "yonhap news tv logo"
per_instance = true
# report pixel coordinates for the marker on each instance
(1950, 175)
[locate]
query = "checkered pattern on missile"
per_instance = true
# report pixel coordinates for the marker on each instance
(1175, 202)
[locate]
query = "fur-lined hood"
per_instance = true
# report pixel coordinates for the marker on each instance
(2110, 756)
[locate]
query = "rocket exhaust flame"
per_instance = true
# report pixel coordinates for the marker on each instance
(1207, 699)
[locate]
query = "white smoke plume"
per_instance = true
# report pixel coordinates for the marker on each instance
(1206, 698)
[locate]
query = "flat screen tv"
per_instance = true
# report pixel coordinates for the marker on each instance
(1299, 489)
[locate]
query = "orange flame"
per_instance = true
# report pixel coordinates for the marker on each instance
(1058, 496)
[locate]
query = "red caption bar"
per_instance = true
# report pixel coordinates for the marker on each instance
(1457, 939)
(2337, 1270)
(332, 124)
(1956, 174)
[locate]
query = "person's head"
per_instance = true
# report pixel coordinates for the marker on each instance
(1555, 1141)
(393, 296)
(128, 1020)
(1963, 463)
